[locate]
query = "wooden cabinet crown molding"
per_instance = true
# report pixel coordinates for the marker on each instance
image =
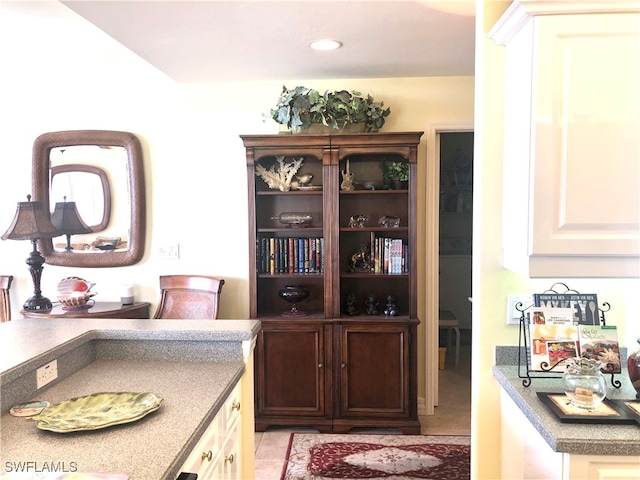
(521, 11)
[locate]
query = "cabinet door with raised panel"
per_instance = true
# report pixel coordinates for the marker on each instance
(374, 371)
(572, 114)
(291, 373)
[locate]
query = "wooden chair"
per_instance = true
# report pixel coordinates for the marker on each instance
(5, 301)
(189, 297)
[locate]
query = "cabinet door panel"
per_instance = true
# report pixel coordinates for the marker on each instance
(571, 170)
(584, 151)
(374, 371)
(290, 370)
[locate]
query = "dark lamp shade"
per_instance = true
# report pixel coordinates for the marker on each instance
(31, 222)
(67, 220)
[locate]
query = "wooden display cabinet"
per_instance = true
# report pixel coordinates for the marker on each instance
(340, 364)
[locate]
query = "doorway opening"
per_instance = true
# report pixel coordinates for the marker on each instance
(452, 414)
(455, 231)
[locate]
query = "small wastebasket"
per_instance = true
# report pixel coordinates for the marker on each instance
(443, 354)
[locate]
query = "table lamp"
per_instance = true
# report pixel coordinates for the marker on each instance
(30, 223)
(67, 220)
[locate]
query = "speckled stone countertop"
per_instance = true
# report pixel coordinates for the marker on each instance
(192, 364)
(572, 438)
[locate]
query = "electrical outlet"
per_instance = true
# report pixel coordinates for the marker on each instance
(46, 373)
(169, 251)
(513, 315)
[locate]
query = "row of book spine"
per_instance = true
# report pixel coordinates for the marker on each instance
(389, 255)
(290, 255)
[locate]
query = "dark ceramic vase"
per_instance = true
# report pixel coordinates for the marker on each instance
(633, 365)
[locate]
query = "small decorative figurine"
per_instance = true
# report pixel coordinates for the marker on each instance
(391, 308)
(389, 221)
(361, 260)
(357, 221)
(372, 305)
(304, 179)
(347, 179)
(351, 305)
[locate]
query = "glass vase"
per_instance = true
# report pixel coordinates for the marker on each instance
(633, 366)
(584, 383)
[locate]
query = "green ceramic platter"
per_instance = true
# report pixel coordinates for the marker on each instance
(99, 410)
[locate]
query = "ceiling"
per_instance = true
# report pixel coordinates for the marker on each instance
(211, 40)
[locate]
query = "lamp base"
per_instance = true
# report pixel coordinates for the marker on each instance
(37, 303)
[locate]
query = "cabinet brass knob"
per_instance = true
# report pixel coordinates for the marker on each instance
(344, 365)
(207, 455)
(235, 406)
(320, 365)
(229, 458)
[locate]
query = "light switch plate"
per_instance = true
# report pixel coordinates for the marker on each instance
(513, 315)
(169, 251)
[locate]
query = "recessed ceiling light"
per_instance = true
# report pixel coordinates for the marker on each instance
(325, 44)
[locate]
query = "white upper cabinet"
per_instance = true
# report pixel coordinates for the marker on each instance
(571, 138)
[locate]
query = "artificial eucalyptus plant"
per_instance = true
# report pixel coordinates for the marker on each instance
(302, 106)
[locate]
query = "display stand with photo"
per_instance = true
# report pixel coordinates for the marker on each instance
(549, 334)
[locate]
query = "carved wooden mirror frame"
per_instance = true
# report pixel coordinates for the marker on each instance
(41, 179)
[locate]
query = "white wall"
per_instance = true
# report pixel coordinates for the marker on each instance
(62, 74)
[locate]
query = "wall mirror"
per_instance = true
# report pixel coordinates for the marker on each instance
(86, 185)
(103, 170)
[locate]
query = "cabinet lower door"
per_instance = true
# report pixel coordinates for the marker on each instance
(374, 371)
(290, 369)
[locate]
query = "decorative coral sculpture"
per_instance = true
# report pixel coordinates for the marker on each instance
(280, 179)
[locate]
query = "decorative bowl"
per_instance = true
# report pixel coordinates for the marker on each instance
(293, 294)
(76, 300)
(294, 219)
(72, 285)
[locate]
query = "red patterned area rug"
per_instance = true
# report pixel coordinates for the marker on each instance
(316, 456)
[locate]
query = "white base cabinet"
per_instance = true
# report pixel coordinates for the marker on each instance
(217, 456)
(571, 144)
(527, 456)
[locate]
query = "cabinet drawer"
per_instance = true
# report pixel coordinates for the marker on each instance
(206, 453)
(231, 411)
(217, 453)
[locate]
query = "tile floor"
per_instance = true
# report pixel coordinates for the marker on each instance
(452, 417)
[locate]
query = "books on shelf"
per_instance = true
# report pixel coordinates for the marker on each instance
(601, 343)
(290, 255)
(554, 337)
(388, 255)
(584, 306)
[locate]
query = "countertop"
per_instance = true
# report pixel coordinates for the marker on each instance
(123, 355)
(572, 438)
(26, 341)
